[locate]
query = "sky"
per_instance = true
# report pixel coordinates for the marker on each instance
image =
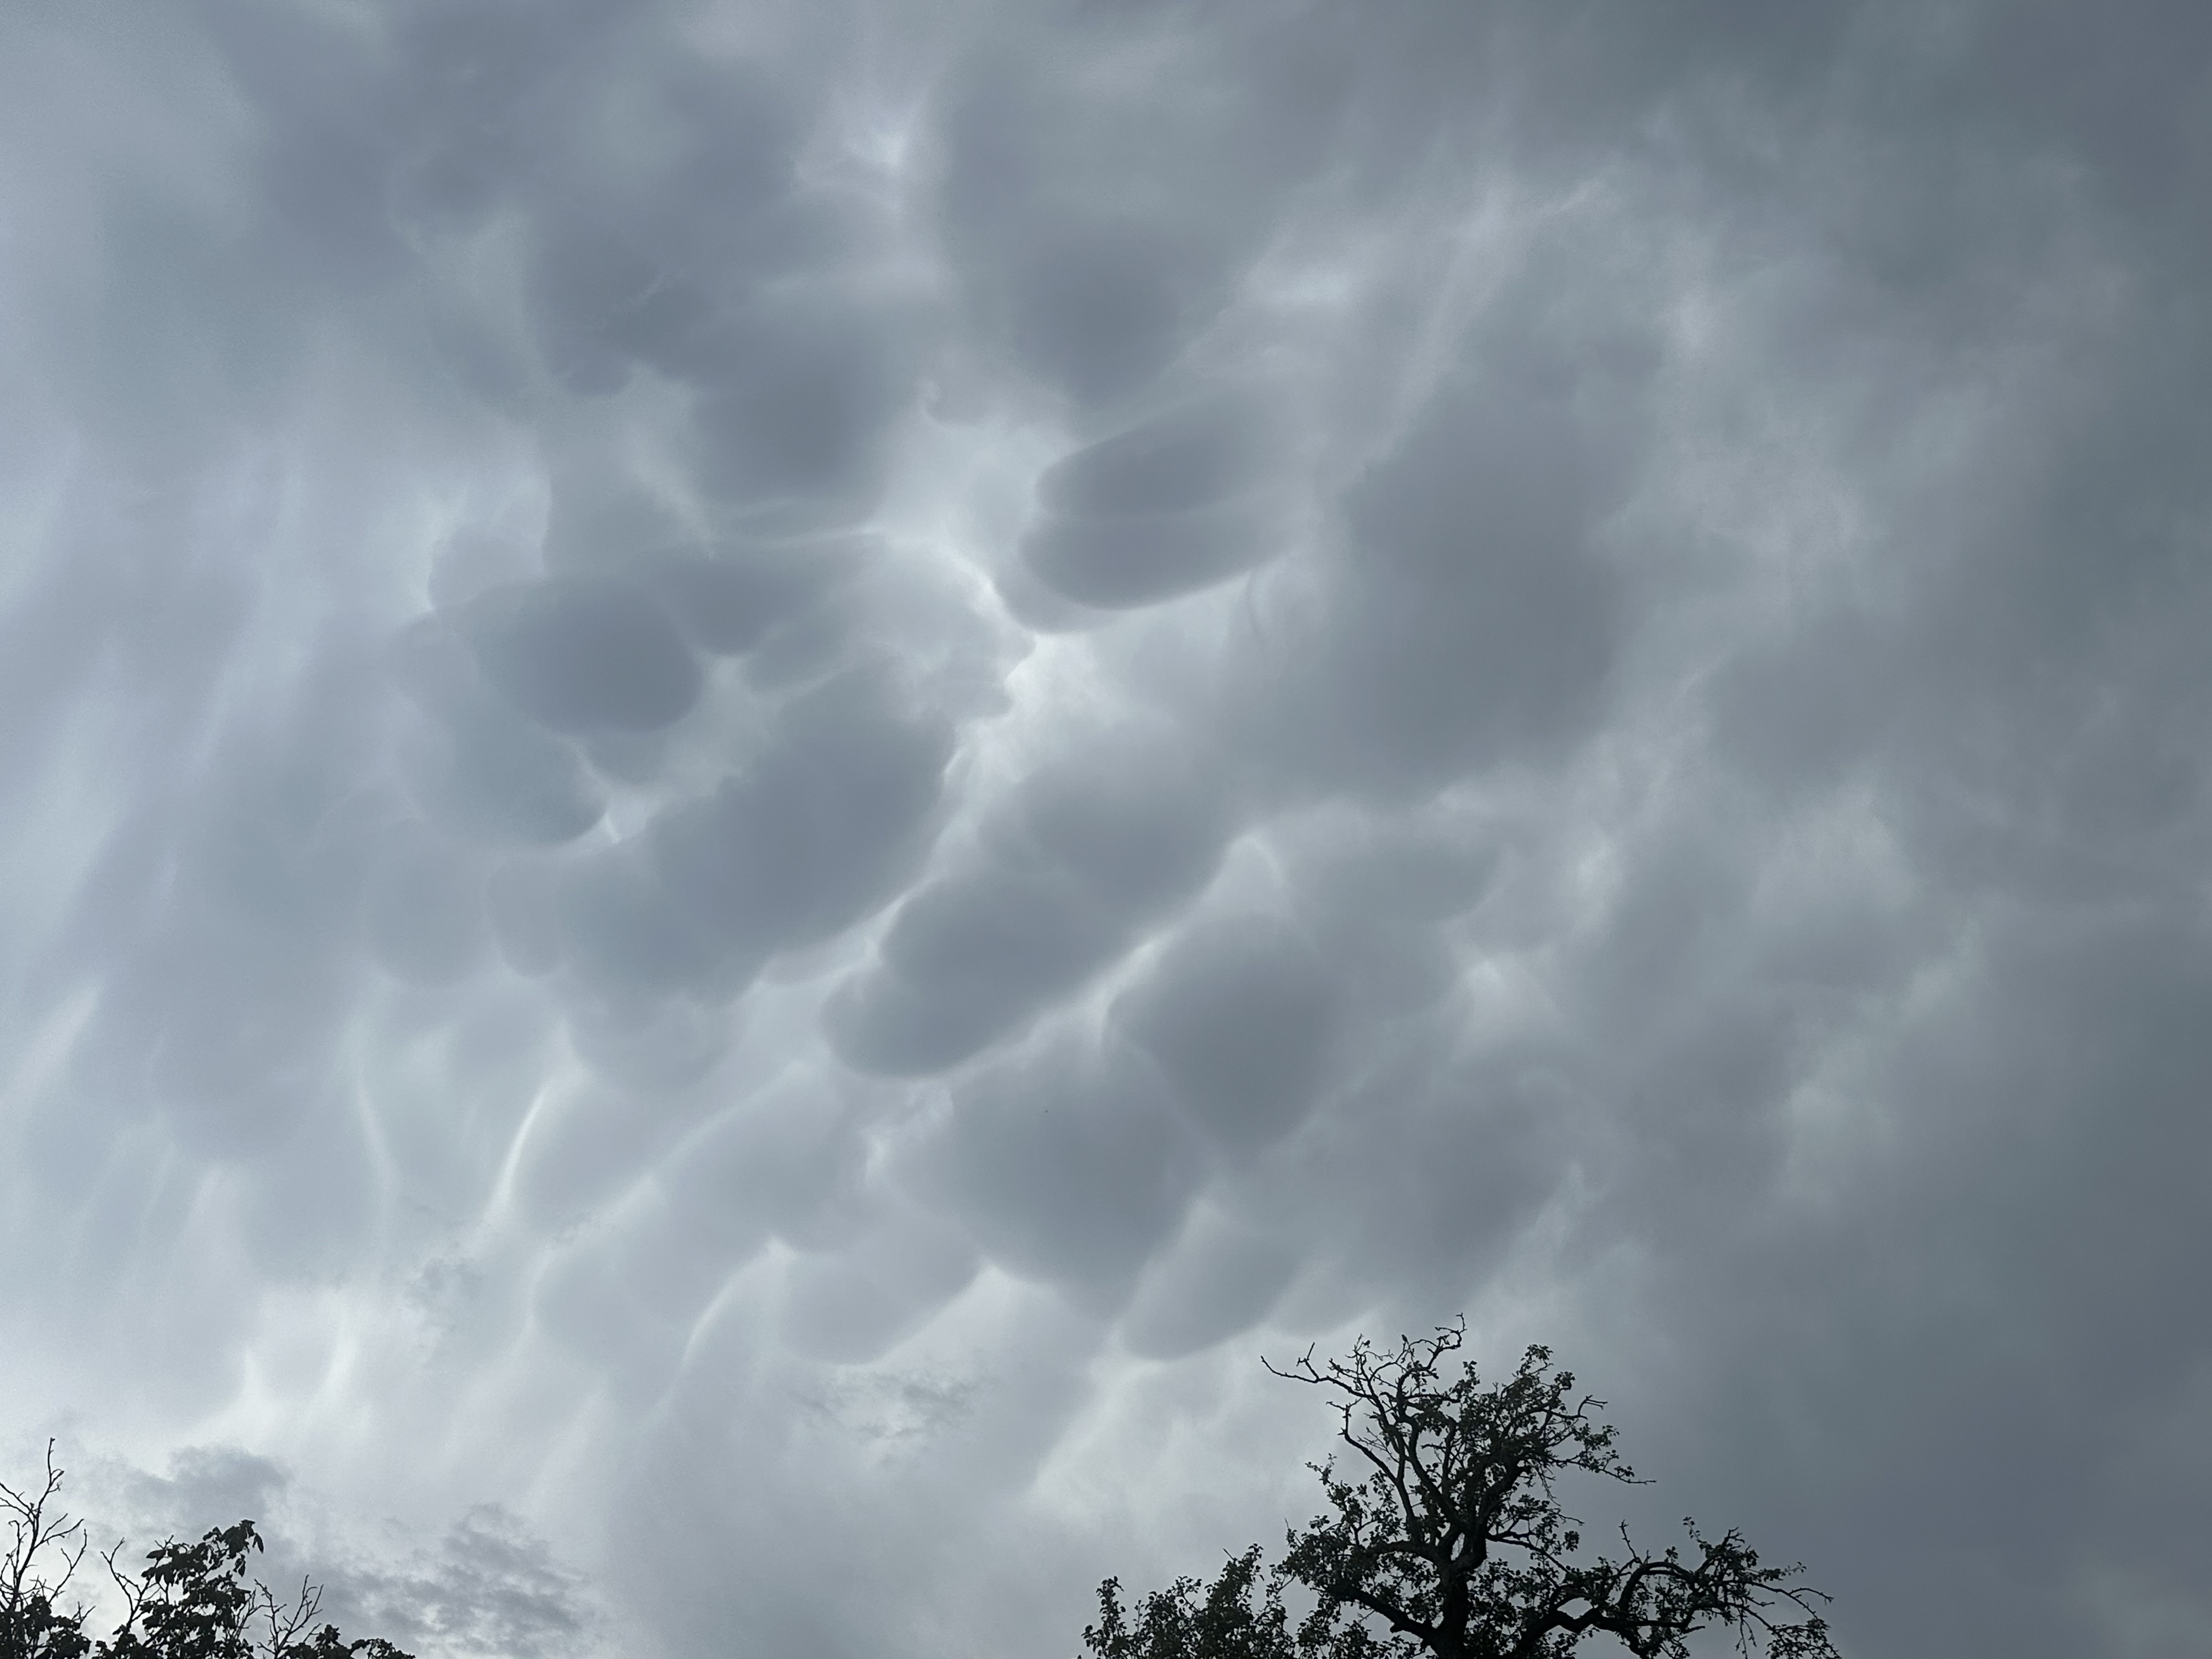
(768, 770)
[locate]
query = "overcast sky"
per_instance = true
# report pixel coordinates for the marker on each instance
(767, 769)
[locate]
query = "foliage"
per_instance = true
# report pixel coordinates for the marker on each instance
(1447, 1540)
(1193, 1622)
(195, 1601)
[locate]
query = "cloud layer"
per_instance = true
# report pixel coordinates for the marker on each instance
(765, 770)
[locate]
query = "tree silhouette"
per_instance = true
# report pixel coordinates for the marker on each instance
(1447, 1540)
(195, 1601)
(32, 1623)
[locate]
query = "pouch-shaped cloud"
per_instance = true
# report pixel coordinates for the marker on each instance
(726, 601)
(480, 766)
(806, 839)
(1219, 1277)
(795, 409)
(1195, 456)
(581, 654)
(601, 301)
(492, 774)
(766, 767)
(1237, 1016)
(1469, 608)
(1069, 1162)
(964, 959)
(624, 929)
(1082, 856)
(1138, 822)
(1100, 309)
(1119, 564)
(1173, 504)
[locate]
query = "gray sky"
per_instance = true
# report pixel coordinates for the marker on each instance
(765, 770)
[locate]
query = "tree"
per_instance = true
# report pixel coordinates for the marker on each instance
(1447, 1540)
(195, 1601)
(32, 1623)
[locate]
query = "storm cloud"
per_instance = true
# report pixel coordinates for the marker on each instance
(766, 769)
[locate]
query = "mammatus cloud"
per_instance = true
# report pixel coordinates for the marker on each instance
(765, 770)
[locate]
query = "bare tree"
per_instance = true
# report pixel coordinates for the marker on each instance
(33, 1624)
(1448, 1540)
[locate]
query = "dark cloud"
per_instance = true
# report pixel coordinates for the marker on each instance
(1176, 502)
(1238, 1017)
(855, 1303)
(766, 768)
(964, 961)
(1098, 250)
(727, 605)
(1081, 858)
(579, 656)
(1071, 1166)
(1218, 1280)
(484, 768)
(806, 840)
(1471, 612)
(795, 422)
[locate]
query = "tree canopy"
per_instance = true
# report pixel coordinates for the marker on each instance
(1445, 1539)
(197, 1601)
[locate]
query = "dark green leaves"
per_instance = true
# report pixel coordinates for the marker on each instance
(1444, 1539)
(1188, 1621)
